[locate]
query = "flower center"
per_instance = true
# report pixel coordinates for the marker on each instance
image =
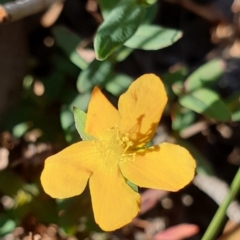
(114, 147)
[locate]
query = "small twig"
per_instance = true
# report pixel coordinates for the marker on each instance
(217, 189)
(194, 129)
(13, 11)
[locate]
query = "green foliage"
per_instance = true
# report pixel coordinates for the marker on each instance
(182, 118)
(195, 93)
(97, 73)
(152, 37)
(6, 225)
(68, 41)
(206, 102)
(118, 84)
(205, 76)
(234, 106)
(120, 25)
(106, 7)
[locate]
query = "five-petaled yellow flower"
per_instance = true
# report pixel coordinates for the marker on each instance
(118, 153)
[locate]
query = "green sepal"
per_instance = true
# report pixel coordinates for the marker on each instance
(132, 185)
(80, 123)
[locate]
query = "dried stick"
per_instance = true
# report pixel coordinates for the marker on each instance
(13, 11)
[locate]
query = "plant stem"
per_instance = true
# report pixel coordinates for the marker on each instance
(219, 216)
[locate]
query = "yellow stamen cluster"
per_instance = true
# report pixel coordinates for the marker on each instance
(115, 146)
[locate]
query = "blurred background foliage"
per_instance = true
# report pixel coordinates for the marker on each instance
(51, 61)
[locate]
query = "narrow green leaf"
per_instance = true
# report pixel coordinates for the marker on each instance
(152, 37)
(206, 75)
(97, 73)
(120, 25)
(68, 42)
(206, 102)
(80, 122)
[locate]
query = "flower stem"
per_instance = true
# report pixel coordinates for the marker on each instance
(219, 216)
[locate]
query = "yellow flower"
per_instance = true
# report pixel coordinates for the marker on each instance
(118, 150)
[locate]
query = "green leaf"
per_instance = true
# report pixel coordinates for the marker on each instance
(97, 73)
(205, 75)
(151, 2)
(182, 118)
(173, 80)
(6, 225)
(106, 7)
(150, 13)
(119, 26)
(68, 42)
(206, 102)
(178, 88)
(20, 129)
(67, 122)
(80, 122)
(236, 116)
(122, 53)
(66, 115)
(152, 37)
(81, 101)
(234, 106)
(66, 118)
(118, 84)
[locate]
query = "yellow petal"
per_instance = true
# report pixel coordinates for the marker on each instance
(66, 173)
(114, 203)
(101, 115)
(141, 108)
(167, 167)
